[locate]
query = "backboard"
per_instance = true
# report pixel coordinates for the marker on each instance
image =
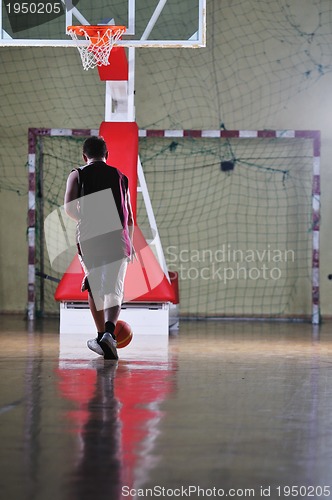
(149, 23)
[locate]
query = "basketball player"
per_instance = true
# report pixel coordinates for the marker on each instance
(97, 198)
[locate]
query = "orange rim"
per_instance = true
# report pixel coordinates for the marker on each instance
(95, 32)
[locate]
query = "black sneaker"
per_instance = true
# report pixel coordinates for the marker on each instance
(108, 345)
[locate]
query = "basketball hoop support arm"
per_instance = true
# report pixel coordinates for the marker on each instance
(119, 95)
(120, 107)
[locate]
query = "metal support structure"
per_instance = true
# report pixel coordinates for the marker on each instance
(155, 242)
(119, 95)
(120, 107)
(154, 18)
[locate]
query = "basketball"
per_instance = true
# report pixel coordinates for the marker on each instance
(123, 333)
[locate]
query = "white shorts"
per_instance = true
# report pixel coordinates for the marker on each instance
(105, 282)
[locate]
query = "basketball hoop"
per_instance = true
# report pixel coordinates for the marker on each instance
(101, 41)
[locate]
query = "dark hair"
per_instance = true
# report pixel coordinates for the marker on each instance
(95, 147)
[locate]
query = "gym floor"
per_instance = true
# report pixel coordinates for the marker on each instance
(237, 409)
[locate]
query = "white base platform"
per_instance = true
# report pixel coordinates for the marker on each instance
(145, 319)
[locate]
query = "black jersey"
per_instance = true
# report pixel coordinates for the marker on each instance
(102, 228)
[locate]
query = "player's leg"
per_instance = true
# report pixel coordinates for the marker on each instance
(97, 310)
(112, 307)
(97, 314)
(108, 341)
(99, 319)
(111, 315)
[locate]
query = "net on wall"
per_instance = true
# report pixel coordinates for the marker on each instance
(234, 216)
(261, 56)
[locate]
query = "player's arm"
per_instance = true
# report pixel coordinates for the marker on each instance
(72, 194)
(130, 224)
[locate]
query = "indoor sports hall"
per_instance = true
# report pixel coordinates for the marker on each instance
(219, 115)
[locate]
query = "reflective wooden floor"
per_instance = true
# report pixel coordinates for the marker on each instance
(224, 409)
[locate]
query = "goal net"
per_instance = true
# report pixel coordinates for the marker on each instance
(235, 216)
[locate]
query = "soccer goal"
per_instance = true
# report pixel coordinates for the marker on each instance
(238, 215)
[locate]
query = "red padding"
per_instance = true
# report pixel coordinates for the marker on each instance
(69, 287)
(122, 143)
(117, 68)
(174, 277)
(145, 281)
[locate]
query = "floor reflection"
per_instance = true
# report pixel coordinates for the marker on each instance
(115, 417)
(224, 404)
(97, 425)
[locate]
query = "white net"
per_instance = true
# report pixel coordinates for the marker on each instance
(98, 50)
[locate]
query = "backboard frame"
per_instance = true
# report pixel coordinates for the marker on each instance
(74, 16)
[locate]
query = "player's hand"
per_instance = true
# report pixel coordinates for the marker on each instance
(133, 254)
